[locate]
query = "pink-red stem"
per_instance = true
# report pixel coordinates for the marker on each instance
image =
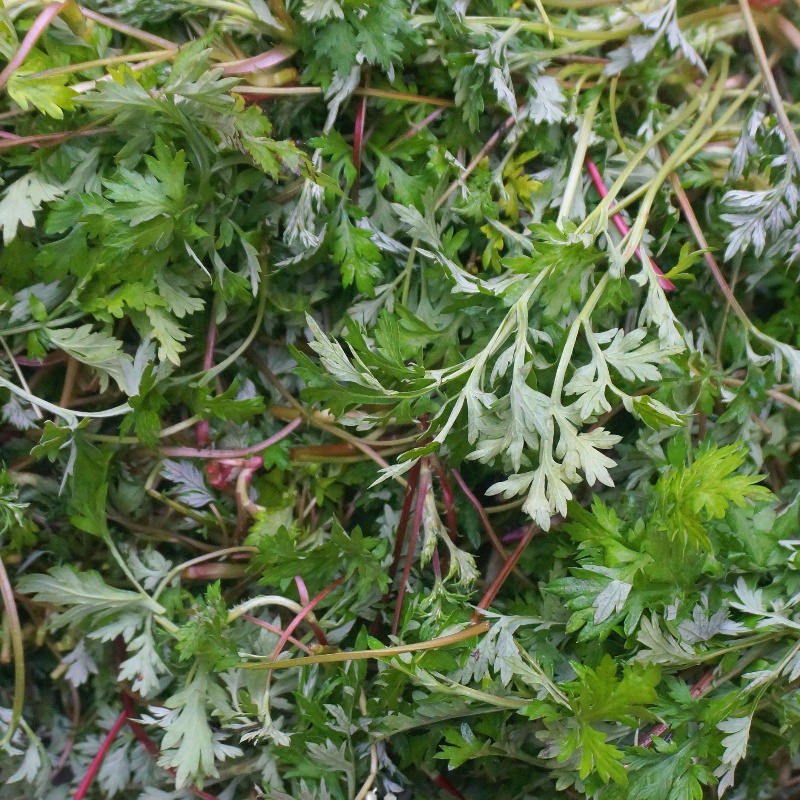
(505, 571)
(202, 435)
(304, 612)
(101, 754)
(263, 61)
(424, 480)
(358, 144)
(696, 690)
(40, 25)
(597, 179)
(273, 629)
(191, 452)
(449, 499)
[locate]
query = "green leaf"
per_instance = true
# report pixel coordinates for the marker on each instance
(188, 744)
(463, 745)
(357, 255)
(47, 94)
(206, 637)
(281, 557)
(89, 487)
(22, 198)
(599, 696)
(689, 496)
(85, 594)
(161, 192)
(600, 756)
(226, 407)
(98, 350)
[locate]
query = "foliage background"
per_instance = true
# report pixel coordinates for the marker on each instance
(354, 442)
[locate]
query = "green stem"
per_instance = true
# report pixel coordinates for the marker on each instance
(117, 556)
(209, 375)
(576, 170)
(224, 5)
(603, 208)
(15, 629)
(68, 415)
(407, 272)
(769, 79)
(569, 345)
(266, 600)
(383, 652)
(679, 155)
(35, 326)
(175, 571)
(534, 27)
(163, 434)
(100, 62)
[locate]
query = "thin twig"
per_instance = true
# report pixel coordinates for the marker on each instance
(422, 489)
(128, 30)
(101, 754)
(415, 129)
(360, 655)
(769, 79)
(487, 526)
(17, 648)
(490, 144)
(502, 576)
(40, 25)
(192, 452)
(688, 212)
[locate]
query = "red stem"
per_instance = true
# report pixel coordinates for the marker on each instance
(402, 524)
(448, 787)
(101, 754)
(202, 428)
(597, 179)
(696, 691)
(500, 579)
(290, 628)
(191, 452)
(40, 25)
(424, 479)
(12, 137)
(484, 517)
(414, 130)
(358, 142)
(449, 498)
(302, 589)
(273, 629)
(53, 138)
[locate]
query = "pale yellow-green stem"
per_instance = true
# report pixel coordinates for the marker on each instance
(576, 170)
(175, 571)
(359, 655)
(18, 651)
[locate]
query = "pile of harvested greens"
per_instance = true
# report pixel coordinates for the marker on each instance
(399, 399)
